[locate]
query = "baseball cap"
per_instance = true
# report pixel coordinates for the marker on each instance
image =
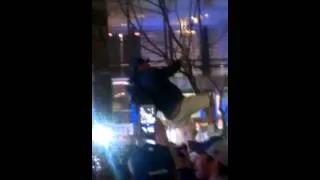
(219, 151)
(201, 147)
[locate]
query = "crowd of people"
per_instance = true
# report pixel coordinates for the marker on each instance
(165, 160)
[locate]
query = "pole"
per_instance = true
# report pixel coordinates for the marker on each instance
(165, 30)
(200, 22)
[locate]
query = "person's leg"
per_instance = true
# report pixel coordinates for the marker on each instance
(189, 106)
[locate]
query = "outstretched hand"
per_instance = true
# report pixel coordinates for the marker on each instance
(161, 138)
(160, 133)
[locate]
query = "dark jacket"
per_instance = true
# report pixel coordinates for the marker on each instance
(152, 162)
(155, 84)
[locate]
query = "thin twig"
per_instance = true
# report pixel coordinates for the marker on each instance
(145, 34)
(191, 27)
(178, 17)
(153, 3)
(217, 40)
(150, 50)
(147, 9)
(140, 27)
(163, 8)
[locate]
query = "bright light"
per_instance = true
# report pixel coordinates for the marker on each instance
(220, 124)
(184, 26)
(147, 115)
(145, 129)
(218, 101)
(206, 15)
(120, 36)
(218, 98)
(148, 129)
(120, 83)
(220, 121)
(101, 135)
(110, 34)
(188, 94)
(137, 34)
(97, 164)
(195, 20)
(151, 129)
(119, 95)
(150, 141)
(172, 135)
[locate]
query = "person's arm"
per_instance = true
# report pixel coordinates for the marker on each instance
(172, 69)
(162, 139)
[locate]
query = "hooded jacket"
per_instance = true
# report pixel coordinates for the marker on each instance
(155, 85)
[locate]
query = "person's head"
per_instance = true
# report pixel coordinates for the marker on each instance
(203, 166)
(136, 65)
(213, 162)
(182, 150)
(184, 147)
(192, 145)
(143, 64)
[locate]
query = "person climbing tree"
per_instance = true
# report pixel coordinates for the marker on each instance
(151, 85)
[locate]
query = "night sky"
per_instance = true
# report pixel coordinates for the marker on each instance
(217, 15)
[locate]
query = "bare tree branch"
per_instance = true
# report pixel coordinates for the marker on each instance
(153, 3)
(178, 18)
(192, 81)
(215, 86)
(163, 8)
(139, 27)
(146, 9)
(145, 34)
(191, 27)
(150, 50)
(224, 31)
(182, 42)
